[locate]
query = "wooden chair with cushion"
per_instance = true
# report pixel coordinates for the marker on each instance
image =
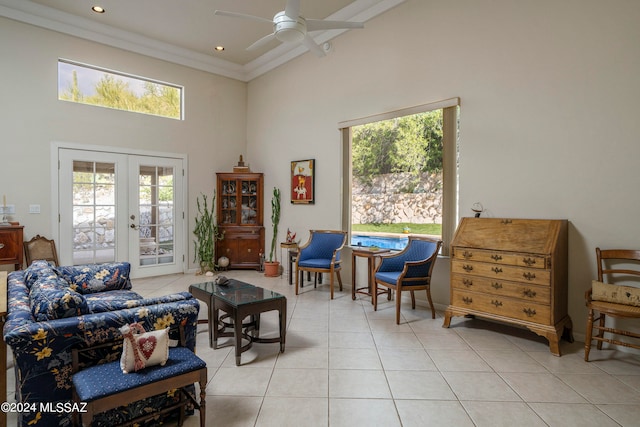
(40, 248)
(321, 254)
(617, 297)
(408, 270)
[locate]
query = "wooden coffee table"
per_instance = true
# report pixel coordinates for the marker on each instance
(242, 304)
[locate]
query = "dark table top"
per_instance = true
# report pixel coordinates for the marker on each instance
(237, 293)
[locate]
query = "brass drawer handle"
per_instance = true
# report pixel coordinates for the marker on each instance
(506, 221)
(529, 261)
(467, 254)
(496, 303)
(467, 268)
(529, 312)
(496, 257)
(496, 270)
(467, 282)
(249, 250)
(496, 285)
(1, 245)
(529, 293)
(467, 300)
(529, 276)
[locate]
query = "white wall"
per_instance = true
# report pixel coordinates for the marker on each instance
(212, 134)
(548, 124)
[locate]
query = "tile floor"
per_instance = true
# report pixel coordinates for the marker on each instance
(346, 365)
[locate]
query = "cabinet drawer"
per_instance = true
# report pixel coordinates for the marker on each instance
(497, 257)
(502, 306)
(531, 293)
(502, 272)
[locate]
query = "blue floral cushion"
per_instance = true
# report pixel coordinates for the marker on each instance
(52, 298)
(36, 270)
(92, 278)
(101, 302)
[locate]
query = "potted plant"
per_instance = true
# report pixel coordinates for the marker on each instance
(206, 231)
(272, 266)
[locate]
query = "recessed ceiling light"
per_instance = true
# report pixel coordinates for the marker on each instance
(219, 48)
(98, 9)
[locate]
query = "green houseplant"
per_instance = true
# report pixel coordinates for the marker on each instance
(272, 266)
(206, 231)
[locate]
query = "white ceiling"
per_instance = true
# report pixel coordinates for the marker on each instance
(186, 31)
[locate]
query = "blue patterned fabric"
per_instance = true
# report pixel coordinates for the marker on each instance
(37, 270)
(107, 379)
(42, 349)
(91, 278)
(417, 250)
(52, 298)
(319, 252)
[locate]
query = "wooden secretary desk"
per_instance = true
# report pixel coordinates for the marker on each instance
(513, 271)
(240, 209)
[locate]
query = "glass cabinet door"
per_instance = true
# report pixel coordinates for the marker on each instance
(249, 202)
(228, 201)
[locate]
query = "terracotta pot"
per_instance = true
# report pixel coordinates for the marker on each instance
(272, 269)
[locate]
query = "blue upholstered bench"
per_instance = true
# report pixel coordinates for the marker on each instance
(103, 387)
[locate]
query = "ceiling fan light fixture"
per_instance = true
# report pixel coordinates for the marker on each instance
(287, 29)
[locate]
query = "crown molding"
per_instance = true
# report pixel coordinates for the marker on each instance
(45, 17)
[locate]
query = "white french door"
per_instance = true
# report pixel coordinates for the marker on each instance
(121, 207)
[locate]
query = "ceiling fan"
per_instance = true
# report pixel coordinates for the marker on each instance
(290, 27)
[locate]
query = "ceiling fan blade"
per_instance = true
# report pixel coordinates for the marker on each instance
(263, 41)
(241, 15)
(292, 9)
(313, 46)
(319, 24)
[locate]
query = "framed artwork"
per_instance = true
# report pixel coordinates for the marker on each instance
(302, 181)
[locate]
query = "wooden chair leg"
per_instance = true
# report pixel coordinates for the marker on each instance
(413, 300)
(339, 279)
(203, 400)
(587, 337)
(601, 331)
(433, 310)
(398, 302)
(298, 274)
(331, 283)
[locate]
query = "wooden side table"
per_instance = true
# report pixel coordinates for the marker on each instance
(370, 255)
(11, 247)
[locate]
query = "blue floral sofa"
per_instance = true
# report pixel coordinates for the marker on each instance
(52, 310)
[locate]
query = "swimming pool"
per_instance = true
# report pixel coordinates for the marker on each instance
(387, 242)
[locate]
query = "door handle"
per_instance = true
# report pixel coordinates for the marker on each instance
(135, 227)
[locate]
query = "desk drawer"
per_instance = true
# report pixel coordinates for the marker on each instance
(502, 306)
(502, 272)
(504, 258)
(527, 292)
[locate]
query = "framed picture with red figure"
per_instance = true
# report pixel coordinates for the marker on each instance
(302, 181)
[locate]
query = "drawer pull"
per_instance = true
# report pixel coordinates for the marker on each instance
(529, 275)
(496, 270)
(496, 303)
(249, 250)
(467, 268)
(496, 257)
(467, 300)
(506, 221)
(496, 285)
(529, 293)
(529, 312)
(529, 261)
(1, 245)
(467, 282)
(467, 254)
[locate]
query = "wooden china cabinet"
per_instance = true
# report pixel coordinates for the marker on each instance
(240, 217)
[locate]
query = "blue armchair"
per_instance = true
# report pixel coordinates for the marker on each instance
(321, 254)
(408, 270)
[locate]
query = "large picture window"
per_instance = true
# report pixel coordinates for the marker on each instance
(401, 171)
(91, 85)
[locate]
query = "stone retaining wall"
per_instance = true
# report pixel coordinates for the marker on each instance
(398, 198)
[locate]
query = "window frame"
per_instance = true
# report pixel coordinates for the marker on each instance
(450, 112)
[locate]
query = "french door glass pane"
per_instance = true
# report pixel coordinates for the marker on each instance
(156, 214)
(94, 212)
